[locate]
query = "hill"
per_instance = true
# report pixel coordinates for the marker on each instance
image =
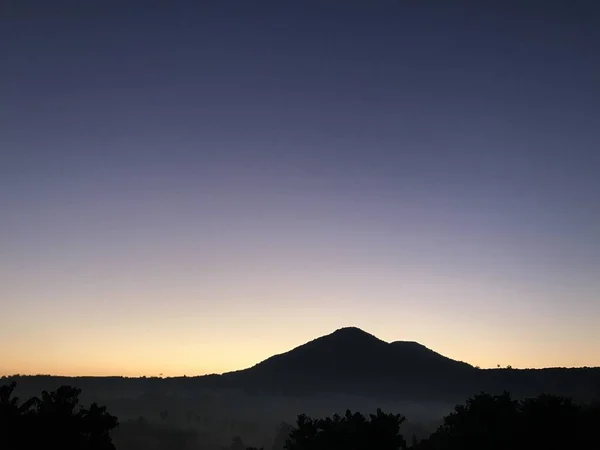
(351, 360)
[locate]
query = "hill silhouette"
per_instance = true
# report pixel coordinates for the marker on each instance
(352, 360)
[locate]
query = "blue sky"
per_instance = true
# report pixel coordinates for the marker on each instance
(192, 188)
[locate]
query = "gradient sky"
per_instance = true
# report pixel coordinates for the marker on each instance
(191, 189)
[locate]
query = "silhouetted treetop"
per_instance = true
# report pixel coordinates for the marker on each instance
(54, 420)
(497, 422)
(353, 431)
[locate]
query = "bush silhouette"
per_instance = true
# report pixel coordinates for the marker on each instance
(497, 422)
(354, 431)
(56, 420)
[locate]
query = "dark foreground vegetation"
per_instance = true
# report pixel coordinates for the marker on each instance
(53, 420)
(492, 422)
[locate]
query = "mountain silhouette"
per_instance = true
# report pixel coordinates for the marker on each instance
(352, 360)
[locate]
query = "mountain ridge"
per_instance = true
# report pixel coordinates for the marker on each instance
(350, 361)
(358, 338)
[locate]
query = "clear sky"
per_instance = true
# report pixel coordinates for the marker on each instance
(191, 189)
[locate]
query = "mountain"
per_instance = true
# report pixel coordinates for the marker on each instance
(351, 360)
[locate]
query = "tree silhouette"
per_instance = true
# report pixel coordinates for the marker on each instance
(497, 422)
(481, 423)
(9, 404)
(54, 420)
(14, 417)
(379, 431)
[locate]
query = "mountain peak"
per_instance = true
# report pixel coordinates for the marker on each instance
(351, 331)
(351, 337)
(350, 360)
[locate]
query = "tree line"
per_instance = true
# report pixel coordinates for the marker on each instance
(53, 420)
(493, 422)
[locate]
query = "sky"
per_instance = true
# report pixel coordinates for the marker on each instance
(192, 187)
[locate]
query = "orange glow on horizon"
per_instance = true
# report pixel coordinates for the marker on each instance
(173, 360)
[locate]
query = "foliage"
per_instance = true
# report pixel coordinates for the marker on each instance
(379, 431)
(497, 422)
(493, 422)
(485, 421)
(56, 420)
